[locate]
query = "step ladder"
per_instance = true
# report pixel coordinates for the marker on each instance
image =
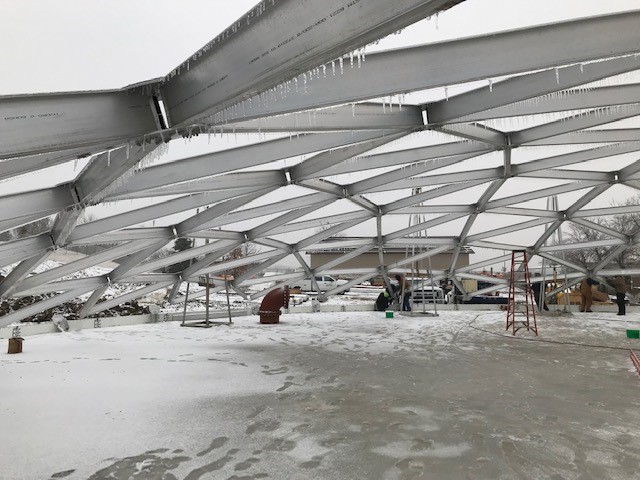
(521, 279)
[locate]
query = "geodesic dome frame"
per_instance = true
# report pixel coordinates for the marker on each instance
(342, 148)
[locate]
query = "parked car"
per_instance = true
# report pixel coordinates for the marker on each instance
(428, 294)
(325, 283)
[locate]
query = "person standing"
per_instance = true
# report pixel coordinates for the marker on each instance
(621, 290)
(586, 295)
(403, 291)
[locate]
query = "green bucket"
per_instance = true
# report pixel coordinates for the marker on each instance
(633, 333)
(389, 314)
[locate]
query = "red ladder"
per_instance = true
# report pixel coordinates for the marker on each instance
(520, 277)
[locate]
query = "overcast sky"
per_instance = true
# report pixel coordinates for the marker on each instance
(70, 45)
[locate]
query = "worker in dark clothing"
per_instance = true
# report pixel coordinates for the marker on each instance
(404, 293)
(382, 302)
(537, 287)
(621, 292)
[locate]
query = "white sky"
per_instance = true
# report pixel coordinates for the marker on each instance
(69, 45)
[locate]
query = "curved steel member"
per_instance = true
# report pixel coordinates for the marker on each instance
(271, 304)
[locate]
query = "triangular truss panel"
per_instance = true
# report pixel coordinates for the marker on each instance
(495, 141)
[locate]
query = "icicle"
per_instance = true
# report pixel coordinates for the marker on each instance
(359, 60)
(557, 71)
(353, 109)
(490, 85)
(333, 67)
(351, 58)
(446, 93)
(390, 103)
(341, 66)
(582, 68)
(324, 71)
(108, 158)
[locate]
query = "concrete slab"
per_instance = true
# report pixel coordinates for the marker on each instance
(346, 395)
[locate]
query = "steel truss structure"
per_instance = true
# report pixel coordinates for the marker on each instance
(340, 147)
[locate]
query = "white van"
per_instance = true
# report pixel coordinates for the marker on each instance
(428, 294)
(325, 283)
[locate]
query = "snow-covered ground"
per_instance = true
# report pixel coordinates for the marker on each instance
(326, 396)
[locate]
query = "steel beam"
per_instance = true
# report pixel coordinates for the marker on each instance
(71, 120)
(18, 250)
(508, 97)
(41, 306)
(126, 297)
(9, 284)
(253, 56)
(360, 116)
(211, 164)
(428, 66)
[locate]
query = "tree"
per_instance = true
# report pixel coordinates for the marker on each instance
(181, 244)
(626, 223)
(242, 251)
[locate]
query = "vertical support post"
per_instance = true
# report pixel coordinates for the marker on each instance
(184, 310)
(206, 318)
(226, 284)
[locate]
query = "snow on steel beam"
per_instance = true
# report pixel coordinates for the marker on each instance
(609, 242)
(195, 268)
(152, 212)
(319, 164)
(324, 186)
(42, 202)
(566, 101)
(564, 262)
(218, 235)
(239, 262)
(574, 123)
(361, 116)
(428, 66)
(339, 243)
(180, 257)
(221, 182)
(126, 297)
(586, 199)
(18, 250)
(41, 306)
(83, 263)
(128, 235)
(509, 229)
(429, 195)
(505, 98)
(601, 212)
(253, 56)
(134, 259)
(443, 179)
(9, 284)
(383, 181)
(601, 228)
(391, 237)
(64, 223)
(526, 212)
(268, 227)
(429, 209)
(418, 257)
(591, 136)
(106, 168)
(422, 241)
(629, 171)
(535, 194)
(268, 209)
(434, 153)
(302, 244)
(320, 222)
(150, 278)
(71, 120)
(558, 174)
(211, 164)
(17, 222)
(258, 269)
(343, 258)
(476, 132)
(575, 157)
(90, 283)
(31, 163)
(494, 245)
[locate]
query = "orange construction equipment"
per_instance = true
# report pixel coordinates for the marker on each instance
(520, 277)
